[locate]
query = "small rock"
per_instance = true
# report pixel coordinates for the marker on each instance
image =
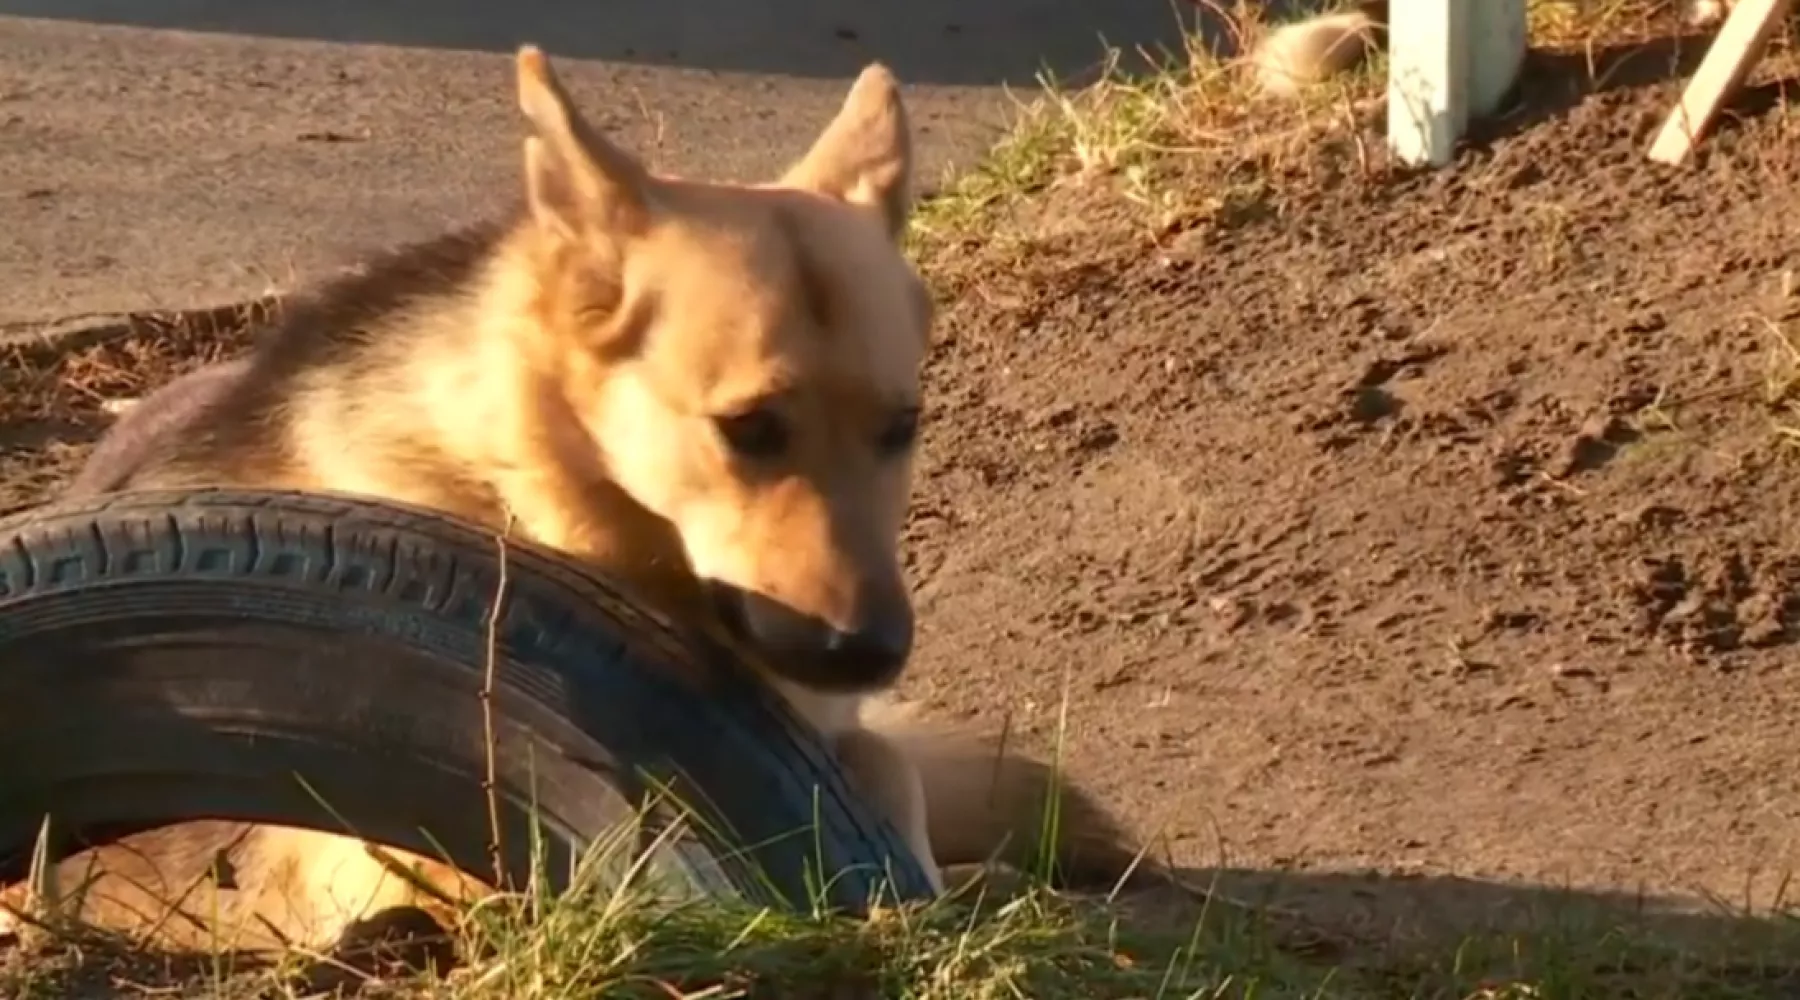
(1688, 607)
(1652, 515)
(1760, 615)
(1235, 611)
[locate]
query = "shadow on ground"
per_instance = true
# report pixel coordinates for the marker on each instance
(1437, 926)
(926, 41)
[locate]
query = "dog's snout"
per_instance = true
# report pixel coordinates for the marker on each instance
(808, 648)
(879, 647)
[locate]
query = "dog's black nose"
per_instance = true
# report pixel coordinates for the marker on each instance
(804, 649)
(877, 650)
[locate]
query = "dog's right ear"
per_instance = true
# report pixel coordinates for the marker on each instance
(576, 182)
(865, 156)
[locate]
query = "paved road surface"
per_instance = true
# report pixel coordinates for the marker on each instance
(182, 153)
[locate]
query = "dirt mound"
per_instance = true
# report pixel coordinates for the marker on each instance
(1445, 523)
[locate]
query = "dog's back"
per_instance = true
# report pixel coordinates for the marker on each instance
(148, 428)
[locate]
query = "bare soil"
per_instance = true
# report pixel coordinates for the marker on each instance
(1446, 525)
(1442, 525)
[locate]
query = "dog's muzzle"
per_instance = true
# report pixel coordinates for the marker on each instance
(813, 654)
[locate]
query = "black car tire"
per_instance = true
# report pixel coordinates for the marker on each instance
(174, 655)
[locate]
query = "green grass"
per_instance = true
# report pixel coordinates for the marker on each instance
(617, 943)
(1188, 142)
(1195, 142)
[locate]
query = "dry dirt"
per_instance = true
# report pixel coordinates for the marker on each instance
(1441, 525)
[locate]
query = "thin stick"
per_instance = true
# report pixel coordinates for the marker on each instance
(490, 784)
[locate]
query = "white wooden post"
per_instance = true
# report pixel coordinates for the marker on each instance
(1448, 60)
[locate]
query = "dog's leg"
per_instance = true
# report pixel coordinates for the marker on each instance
(586, 520)
(881, 770)
(986, 803)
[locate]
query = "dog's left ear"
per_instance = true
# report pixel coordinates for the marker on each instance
(864, 156)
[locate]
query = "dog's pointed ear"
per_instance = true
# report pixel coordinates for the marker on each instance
(575, 181)
(865, 155)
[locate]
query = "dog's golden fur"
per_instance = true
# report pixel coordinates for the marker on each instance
(708, 391)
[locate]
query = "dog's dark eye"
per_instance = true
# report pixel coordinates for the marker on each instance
(758, 434)
(900, 433)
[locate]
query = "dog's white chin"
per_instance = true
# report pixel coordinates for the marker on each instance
(831, 714)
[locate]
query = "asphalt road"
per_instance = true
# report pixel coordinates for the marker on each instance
(161, 154)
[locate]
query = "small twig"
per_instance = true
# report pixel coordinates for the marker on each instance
(490, 784)
(1562, 484)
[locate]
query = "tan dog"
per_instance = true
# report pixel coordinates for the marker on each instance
(709, 391)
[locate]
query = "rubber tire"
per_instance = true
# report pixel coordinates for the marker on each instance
(171, 655)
